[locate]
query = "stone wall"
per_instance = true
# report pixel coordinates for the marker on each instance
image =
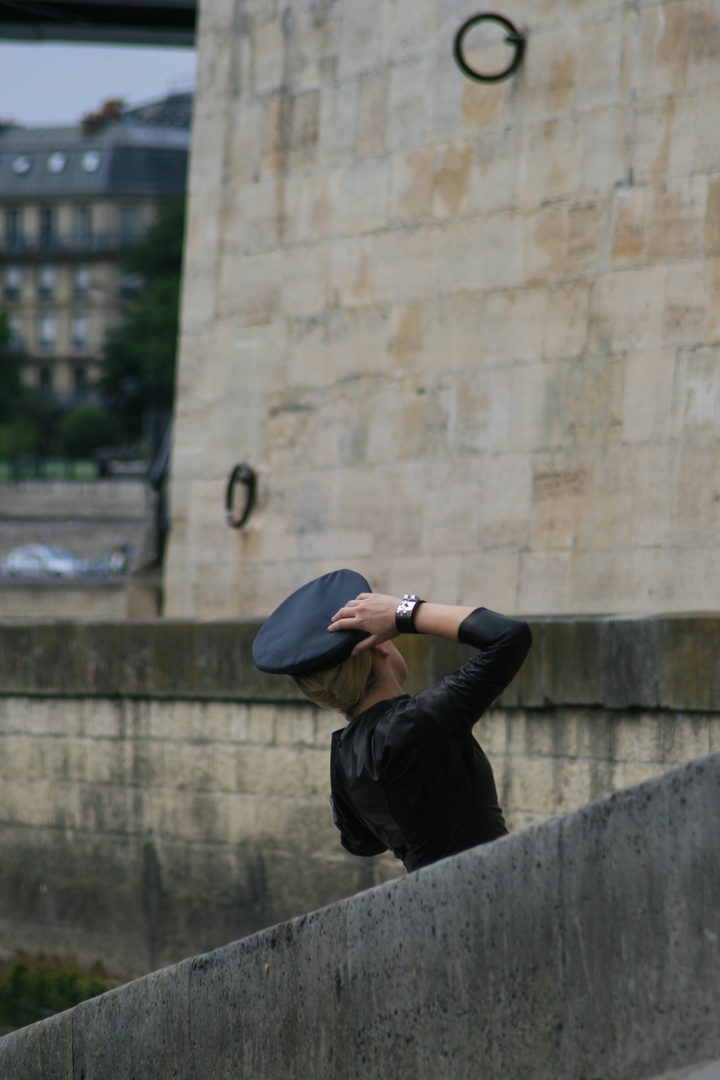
(467, 335)
(90, 519)
(588, 946)
(159, 797)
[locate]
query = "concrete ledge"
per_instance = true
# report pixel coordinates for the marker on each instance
(661, 662)
(583, 947)
(708, 1070)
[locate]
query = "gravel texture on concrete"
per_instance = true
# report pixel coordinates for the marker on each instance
(587, 946)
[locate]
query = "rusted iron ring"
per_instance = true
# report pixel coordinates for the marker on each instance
(514, 37)
(241, 474)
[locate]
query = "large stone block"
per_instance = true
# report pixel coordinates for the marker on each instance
(663, 53)
(703, 43)
(599, 62)
(703, 157)
(412, 184)
(626, 309)
(372, 114)
(409, 104)
(696, 397)
(366, 197)
(648, 395)
(338, 118)
(676, 219)
(554, 159)
(452, 180)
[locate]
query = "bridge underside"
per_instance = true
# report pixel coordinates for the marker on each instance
(145, 22)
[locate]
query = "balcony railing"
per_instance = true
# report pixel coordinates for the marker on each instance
(60, 245)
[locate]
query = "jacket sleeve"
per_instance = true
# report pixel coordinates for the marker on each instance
(459, 700)
(354, 836)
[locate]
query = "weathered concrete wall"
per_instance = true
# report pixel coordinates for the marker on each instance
(141, 832)
(91, 519)
(468, 335)
(586, 946)
(29, 601)
(160, 797)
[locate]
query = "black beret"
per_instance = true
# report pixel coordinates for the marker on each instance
(295, 640)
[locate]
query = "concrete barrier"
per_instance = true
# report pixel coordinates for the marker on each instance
(707, 1070)
(584, 947)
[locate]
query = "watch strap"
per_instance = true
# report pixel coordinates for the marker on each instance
(405, 613)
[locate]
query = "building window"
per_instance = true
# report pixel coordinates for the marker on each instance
(12, 282)
(131, 226)
(130, 286)
(80, 379)
(80, 332)
(45, 378)
(46, 282)
(46, 332)
(83, 226)
(15, 335)
(13, 228)
(47, 226)
(81, 281)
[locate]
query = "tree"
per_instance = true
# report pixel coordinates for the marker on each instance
(139, 377)
(83, 431)
(19, 433)
(11, 389)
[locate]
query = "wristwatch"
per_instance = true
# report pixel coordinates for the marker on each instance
(405, 614)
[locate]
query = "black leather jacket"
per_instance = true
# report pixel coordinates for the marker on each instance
(408, 775)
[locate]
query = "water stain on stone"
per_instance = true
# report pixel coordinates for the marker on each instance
(451, 180)
(561, 83)
(408, 332)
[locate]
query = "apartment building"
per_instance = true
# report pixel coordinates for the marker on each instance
(72, 200)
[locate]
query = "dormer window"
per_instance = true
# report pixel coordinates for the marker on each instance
(56, 162)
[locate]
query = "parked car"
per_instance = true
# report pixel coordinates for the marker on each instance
(40, 560)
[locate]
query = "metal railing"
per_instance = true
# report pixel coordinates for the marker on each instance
(54, 245)
(16, 470)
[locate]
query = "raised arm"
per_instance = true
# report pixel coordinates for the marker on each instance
(375, 614)
(502, 642)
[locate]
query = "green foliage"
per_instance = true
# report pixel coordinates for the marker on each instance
(11, 390)
(43, 412)
(83, 431)
(18, 438)
(139, 373)
(37, 985)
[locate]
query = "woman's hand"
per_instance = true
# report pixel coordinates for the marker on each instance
(371, 612)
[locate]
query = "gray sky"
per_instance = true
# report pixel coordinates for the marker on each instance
(46, 83)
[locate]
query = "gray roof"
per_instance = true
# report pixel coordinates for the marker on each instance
(144, 151)
(163, 22)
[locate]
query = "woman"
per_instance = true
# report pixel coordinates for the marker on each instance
(406, 773)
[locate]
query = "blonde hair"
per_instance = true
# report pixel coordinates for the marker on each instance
(342, 687)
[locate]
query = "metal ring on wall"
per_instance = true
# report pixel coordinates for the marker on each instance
(514, 37)
(241, 474)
